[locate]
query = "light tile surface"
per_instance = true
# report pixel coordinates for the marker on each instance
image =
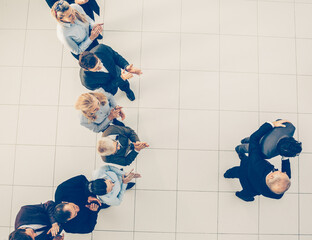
(213, 72)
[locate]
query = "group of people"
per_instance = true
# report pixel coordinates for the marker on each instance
(78, 200)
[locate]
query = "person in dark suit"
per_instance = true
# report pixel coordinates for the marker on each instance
(89, 6)
(77, 208)
(256, 175)
(119, 145)
(102, 67)
(36, 222)
(279, 141)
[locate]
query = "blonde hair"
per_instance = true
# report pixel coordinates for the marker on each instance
(85, 103)
(59, 14)
(105, 146)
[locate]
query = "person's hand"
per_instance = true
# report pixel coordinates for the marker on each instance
(140, 145)
(122, 114)
(131, 69)
(279, 123)
(128, 177)
(80, 2)
(114, 113)
(93, 199)
(59, 237)
(54, 229)
(96, 30)
(93, 207)
(137, 175)
(125, 75)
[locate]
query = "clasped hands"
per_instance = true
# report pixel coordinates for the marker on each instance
(129, 176)
(117, 112)
(130, 69)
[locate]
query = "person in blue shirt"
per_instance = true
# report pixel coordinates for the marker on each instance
(110, 183)
(73, 27)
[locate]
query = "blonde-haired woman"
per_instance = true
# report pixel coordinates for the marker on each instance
(99, 110)
(73, 27)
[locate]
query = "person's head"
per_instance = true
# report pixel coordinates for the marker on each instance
(65, 211)
(106, 146)
(289, 147)
(63, 12)
(23, 234)
(89, 61)
(89, 104)
(278, 182)
(101, 186)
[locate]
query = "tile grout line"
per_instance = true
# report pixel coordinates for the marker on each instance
(18, 117)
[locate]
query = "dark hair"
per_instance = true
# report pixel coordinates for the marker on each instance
(98, 187)
(19, 234)
(61, 215)
(87, 60)
(289, 147)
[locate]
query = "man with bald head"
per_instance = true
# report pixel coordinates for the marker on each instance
(256, 175)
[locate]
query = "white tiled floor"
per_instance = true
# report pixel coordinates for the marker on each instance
(213, 71)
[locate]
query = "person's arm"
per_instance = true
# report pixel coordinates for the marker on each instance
(123, 161)
(97, 127)
(48, 207)
(119, 60)
(130, 133)
(86, 224)
(254, 142)
(114, 200)
(286, 167)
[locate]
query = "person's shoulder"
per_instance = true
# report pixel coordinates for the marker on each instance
(76, 7)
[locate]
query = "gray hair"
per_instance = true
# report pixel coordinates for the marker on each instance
(105, 146)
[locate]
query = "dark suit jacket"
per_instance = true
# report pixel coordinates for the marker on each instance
(75, 190)
(37, 214)
(112, 61)
(126, 154)
(88, 7)
(254, 168)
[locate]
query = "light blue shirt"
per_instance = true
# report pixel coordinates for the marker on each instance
(75, 36)
(101, 122)
(114, 197)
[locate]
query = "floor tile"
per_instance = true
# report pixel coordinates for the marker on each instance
(303, 20)
(206, 87)
(159, 218)
(118, 218)
(305, 213)
(12, 47)
(305, 237)
(5, 205)
(123, 15)
(39, 16)
(305, 176)
(132, 118)
(166, 57)
(304, 59)
(272, 98)
(154, 82)
(273, 217)
(158, 169)
(8, 126)
(200, 52)
(199, 165)
(4, 233)
(78, 236)
(38, 46)
(238, 17)
(238, 54)
(193, 206)
(36, 125)
(40, 86)
(276, 19)
(237, 237)
(7, 155)
(73, 161)
(170, 16)
(241, 125)
(199, 236)
(10, 88)
(278, 237)
(235, 216)
(154, 236)
(277, 55)
(165, 134)
(304, 97)
(193, 135)
(8, 9)
(98, 235)
(305, 132)
(206, 19)
(239, 91)
(39, 172)
(69, 130)
(67, 59)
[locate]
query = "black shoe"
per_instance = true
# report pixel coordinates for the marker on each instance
(245, 140)
(130, 185)
(232, 173)
(244, 197)
(130, 95)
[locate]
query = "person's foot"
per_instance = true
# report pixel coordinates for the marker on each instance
(130, 185)
(232, 173)
(244, 197)
(130, 95)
